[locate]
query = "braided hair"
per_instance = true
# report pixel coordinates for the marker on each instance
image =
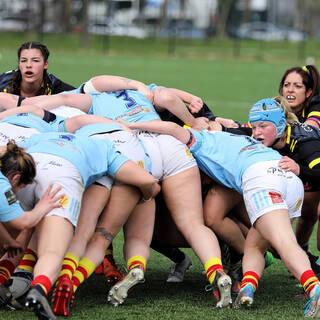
(15, 160)
(15, 85)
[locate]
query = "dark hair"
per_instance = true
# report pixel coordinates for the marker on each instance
(15, 160)
(310, 78)
(16, 79)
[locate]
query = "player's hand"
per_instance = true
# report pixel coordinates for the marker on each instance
(288, 164)
(215, 126)
(13, 248)
(201, 123)
(50, 200)
(228, 123)
(195, 105)
(146, 92)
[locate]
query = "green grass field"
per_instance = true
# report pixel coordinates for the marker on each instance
(230, 86)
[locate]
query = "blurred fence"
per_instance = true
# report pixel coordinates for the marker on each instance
(101, 24)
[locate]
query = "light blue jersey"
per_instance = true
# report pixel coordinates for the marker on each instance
(10, 208)
(29, 120)
(100, 128)
(92, 157)
(225, 157)
(130, 105)
(97, 128)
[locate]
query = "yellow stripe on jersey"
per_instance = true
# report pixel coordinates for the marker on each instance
(288, 134)
(314, 113)
(314, 163)
(293, 144)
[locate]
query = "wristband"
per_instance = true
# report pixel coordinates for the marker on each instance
(89, 88)
(191, 140)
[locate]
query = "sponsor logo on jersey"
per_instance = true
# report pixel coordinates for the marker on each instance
(140, 163)
(189, 154)
(10, 196)
(54, 163)
(66, 137)
(275, 197)
(64, 201)
(276, 170)
(132, 112)
(298, 205)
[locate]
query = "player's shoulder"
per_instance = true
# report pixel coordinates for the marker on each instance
(6, 78)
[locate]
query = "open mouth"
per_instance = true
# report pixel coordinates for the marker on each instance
(290, 98)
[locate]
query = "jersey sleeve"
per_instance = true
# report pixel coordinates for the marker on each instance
(310, 165)
(5, 80)
(314, 110)
(10, 208)
(58, 86)
(115, 160)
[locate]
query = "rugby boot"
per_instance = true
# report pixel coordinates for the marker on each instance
(221, 287)
(245, 297)
(37, 302)
(119, 292)
(62, 297)
(112, 272)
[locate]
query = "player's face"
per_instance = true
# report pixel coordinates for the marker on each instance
(295, 91)
(265, 132)
(31, 65)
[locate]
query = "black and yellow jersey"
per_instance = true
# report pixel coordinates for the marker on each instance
(53, 86)
(312, 112)
(303, 146)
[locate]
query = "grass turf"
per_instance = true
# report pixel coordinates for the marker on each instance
(229, 86)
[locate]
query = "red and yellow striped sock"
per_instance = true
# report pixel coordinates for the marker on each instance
(44, 282)
(308, 280)
(211, 266)
(250, 277)
(6, 270)
(69, 265)
(137, 261)
(29, 260)
(85, 269)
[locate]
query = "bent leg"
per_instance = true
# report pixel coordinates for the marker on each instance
(122, 201)
(217, 205)
(94, 200)
(54, 236)
(138, 231)
(182, 193)
(276, 228)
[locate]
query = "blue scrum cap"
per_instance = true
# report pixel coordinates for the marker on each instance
(269, 110)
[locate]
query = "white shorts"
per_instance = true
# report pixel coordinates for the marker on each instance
(14, 132)
(168, 155)
(66, 111)
(129, 145)
(266, 188)
(59, 172)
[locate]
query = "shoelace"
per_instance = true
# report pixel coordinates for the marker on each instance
(307, 306)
